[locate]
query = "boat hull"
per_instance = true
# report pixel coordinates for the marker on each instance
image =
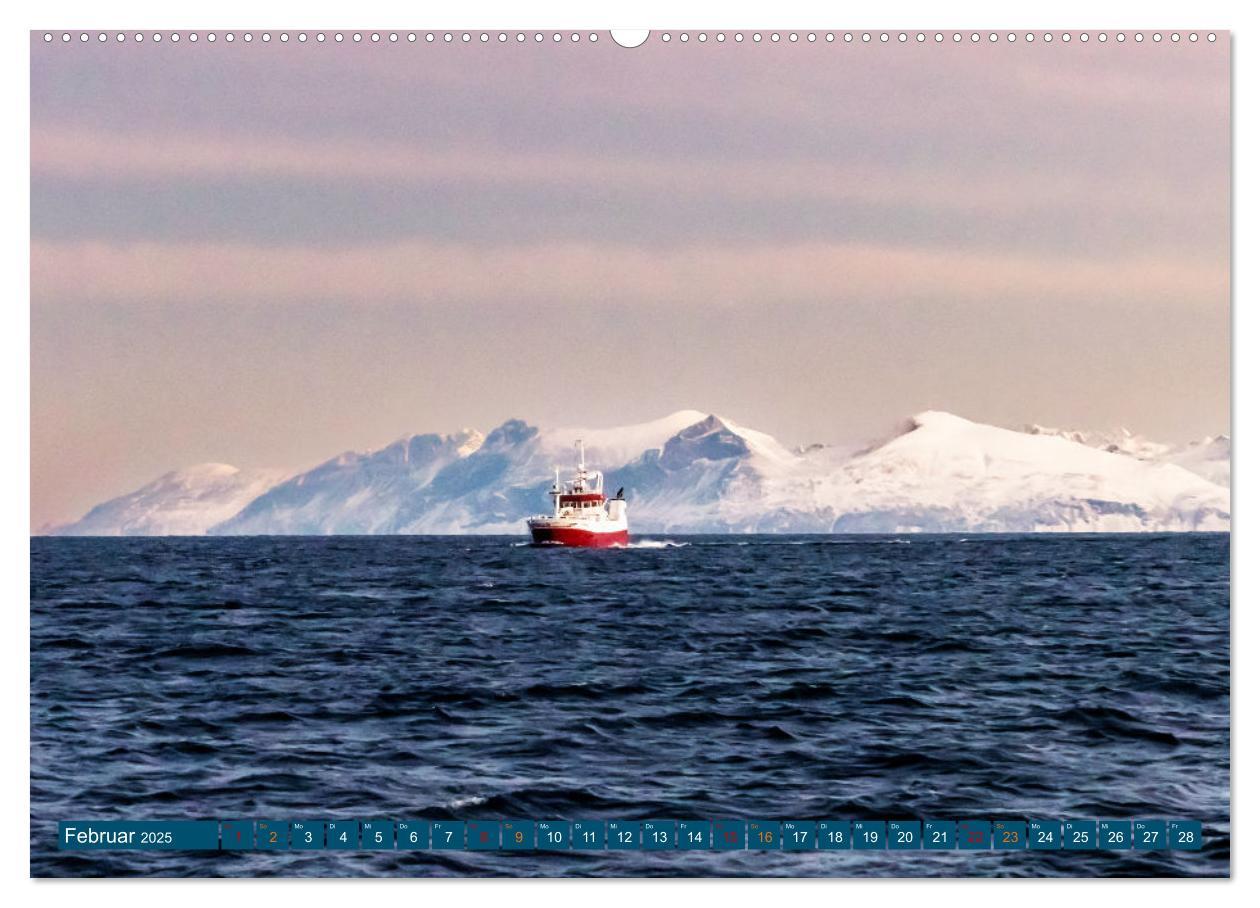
(577, 537)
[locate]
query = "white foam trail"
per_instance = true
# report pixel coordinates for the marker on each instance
(641, 544)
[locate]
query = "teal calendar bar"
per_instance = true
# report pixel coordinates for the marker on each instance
(280, 837)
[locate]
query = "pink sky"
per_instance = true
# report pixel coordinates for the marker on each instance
(266, 254)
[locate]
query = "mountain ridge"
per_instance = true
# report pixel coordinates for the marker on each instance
(695, 472)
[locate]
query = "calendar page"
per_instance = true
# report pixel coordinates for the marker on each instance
(797, 452)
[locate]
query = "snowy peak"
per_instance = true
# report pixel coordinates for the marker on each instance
(614, 447)
(708, 439)
(354, 492)
(944, 441)
(1115, 441)
(1208, 457)
(184, 502)
(512, 433)
(419, 449)
(949, 474)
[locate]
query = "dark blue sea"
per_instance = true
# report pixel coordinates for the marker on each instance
(759, 677)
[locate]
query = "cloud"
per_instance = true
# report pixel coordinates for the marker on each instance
(68, 153)
(574, 273)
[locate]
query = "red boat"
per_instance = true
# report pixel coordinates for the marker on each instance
(581, 515)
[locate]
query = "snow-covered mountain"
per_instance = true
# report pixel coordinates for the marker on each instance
(696, 472)
(443, 484)
(181, 503)
(946, 473)
(352, 493)
(1209, 457)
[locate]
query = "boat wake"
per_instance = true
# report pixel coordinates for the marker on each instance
(641, 544)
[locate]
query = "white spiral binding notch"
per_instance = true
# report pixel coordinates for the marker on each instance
(629, 37)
